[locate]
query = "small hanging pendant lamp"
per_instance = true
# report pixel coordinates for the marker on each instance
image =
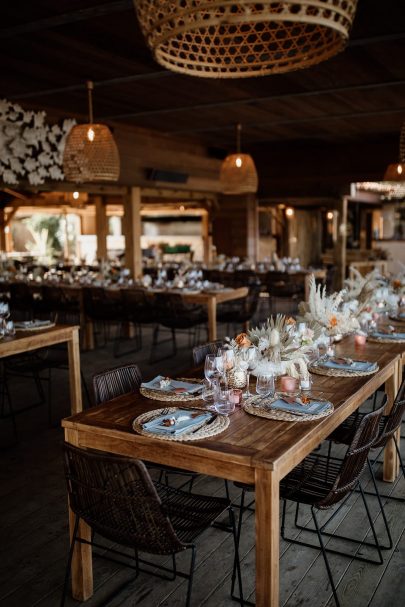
(238, 172)
(91, 153)
(396, 170)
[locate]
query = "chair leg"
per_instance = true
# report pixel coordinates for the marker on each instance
(236, 562)
(377, 493)
(69, 563)
(191, 576)
(325, 556)
(370, 520)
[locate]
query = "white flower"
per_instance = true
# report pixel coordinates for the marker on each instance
(34, 179)
(274, 338)
(263, 344)
(30, 164)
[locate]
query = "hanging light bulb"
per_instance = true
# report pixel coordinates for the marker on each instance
(396, 170)
(238, 173)
(91, 153)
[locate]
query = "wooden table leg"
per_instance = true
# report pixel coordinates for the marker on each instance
(391, 462)
(212, 318)
(82, 563)
(74, 373)
(267, 538)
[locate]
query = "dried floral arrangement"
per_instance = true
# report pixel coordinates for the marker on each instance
(327, 311)
(30, 149)
(278, 349)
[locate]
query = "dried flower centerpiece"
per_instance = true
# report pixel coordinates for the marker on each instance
(326, 310)
(277, 351)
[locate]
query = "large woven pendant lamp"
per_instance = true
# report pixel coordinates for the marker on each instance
(91, 153)
(243, 38)
(396, 170)
(238, 172)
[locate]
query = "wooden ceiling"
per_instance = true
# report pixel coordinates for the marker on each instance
(329, 124)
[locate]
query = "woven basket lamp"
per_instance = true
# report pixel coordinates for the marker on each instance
(91, 153)
(238, 172)
(244, 38)
(396, 170)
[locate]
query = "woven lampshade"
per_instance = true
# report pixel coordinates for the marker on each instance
(395, 172)
(85, 160)
(238, 173)
(243, 38)
(90, 153)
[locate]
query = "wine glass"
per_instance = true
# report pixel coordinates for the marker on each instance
(248, 363)
(265, 385)
(219, 361)
(210, 367)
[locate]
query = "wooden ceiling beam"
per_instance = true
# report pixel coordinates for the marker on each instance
(68, 18)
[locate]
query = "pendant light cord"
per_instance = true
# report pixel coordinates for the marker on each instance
(90, 87)
(238, 137)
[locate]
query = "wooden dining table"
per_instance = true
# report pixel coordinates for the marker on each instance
(27, 341)
(250, 450)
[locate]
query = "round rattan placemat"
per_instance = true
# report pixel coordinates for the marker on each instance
(398, 318)
(341, 372)
(218, 425)
(171, 397)
(385, 340)
(282, 416)
(34, 329)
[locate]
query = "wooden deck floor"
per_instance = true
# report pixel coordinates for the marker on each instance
(34, 534)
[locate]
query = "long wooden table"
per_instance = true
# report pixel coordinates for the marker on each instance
(251, 450)
(26, 341)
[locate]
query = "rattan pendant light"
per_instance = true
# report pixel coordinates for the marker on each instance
(91, 153)
(243, 38)
(396, 170)
(238, 172)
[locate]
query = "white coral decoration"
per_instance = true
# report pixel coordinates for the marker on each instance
(30, 149)
(326, 310)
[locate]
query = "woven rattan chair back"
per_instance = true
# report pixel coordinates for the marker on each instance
(200, 352)
(115, 382)
(137, 307)
(116, 497)
(355, 458)
(394, 419)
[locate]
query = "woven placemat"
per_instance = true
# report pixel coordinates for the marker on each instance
(397, 318)
(35, 329)
(220, 423)
(282, 416)
(341, 372)
(385, 340)
(171, 397)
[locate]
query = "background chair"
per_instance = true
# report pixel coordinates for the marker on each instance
(116, 497)
(200, 352)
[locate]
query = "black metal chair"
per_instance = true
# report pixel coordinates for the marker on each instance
(240, 311)
(122, 380)
(200, 352)
(117, 498)
(175, 314)
(137, 309)
(321, 482)
(389, 426)
(115, 382)
(103, 310)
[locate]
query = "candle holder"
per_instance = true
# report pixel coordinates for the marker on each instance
(288, 384)
(359, 339)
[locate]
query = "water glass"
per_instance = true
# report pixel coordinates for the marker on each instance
(10, 328)
(249, 358)
(209, 386)
(223, 399)
(265, 385)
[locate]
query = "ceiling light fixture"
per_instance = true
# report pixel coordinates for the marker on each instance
(91, 153)
(244, 38)
(238, 173)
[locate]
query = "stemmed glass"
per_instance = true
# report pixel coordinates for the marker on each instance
(265, 385)
(210, 367)
(248, 363)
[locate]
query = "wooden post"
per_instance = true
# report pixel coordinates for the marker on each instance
(101, 227)
(205, 230)
(235, 226)
(340, 246)
(2, 234)
(132, 225)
